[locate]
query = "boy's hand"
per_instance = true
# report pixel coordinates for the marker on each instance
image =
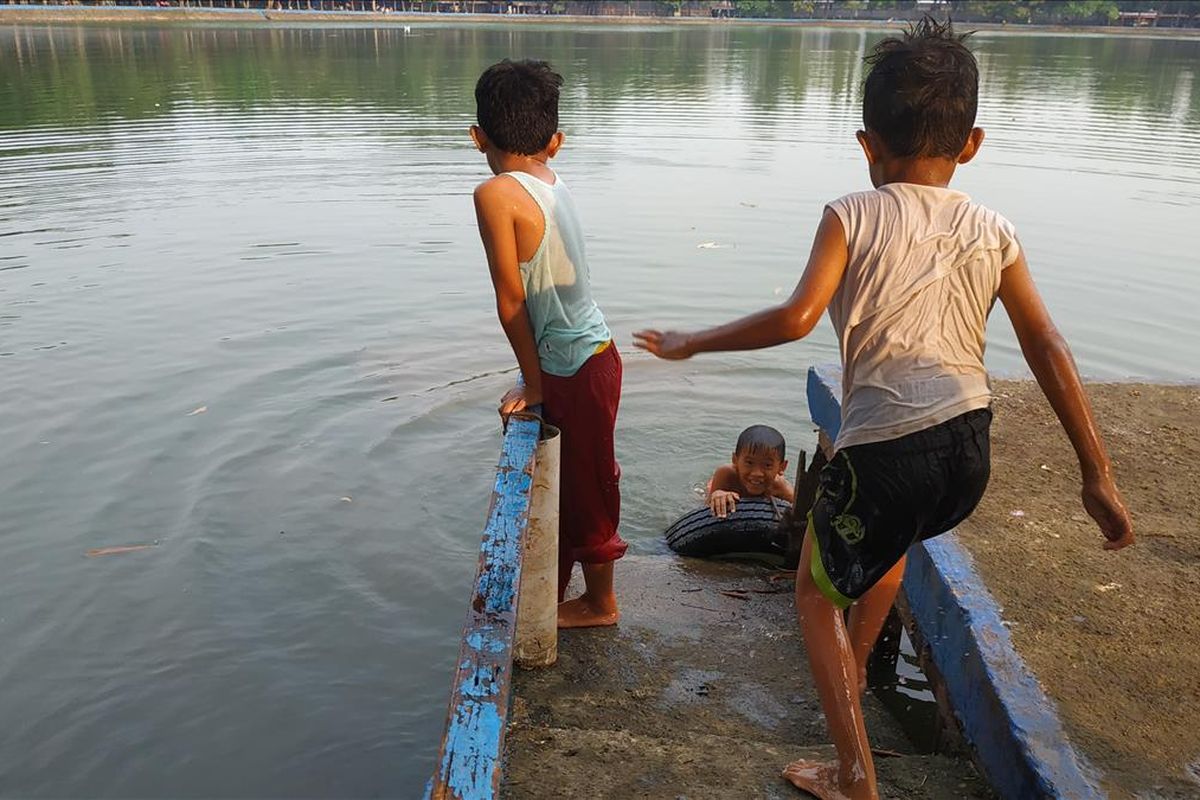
(664, 344)
(1103, 503)
(723, 503)
(517, 399)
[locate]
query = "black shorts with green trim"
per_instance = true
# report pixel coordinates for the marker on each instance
(875, 500)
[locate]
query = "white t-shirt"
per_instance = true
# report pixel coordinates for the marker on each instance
(911, 312)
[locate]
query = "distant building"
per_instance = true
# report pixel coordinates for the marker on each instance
(1156, 19)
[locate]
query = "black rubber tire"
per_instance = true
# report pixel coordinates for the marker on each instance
(753, 528)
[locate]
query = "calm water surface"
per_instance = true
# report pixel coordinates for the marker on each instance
(244, 316)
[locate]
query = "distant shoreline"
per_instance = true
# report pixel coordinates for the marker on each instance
(105, 15)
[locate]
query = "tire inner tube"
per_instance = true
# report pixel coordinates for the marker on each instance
(755, 527)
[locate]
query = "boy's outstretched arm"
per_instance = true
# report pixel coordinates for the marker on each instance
(1049, 357)
(497, 229)
(792, 320)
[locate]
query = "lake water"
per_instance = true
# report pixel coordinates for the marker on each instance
(244, 317)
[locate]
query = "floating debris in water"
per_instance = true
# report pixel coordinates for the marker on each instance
(1016, 513)
(347, 499)
(113, 551)
(884, 753)
(1108, 587)
(196, 411)
(709, 246)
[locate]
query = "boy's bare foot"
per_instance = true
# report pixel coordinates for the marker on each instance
(820, 779)
(583, 613)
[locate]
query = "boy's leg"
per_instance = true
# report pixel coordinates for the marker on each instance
(867, 616)
(590, 492)
(831, 658)
(875, 501)
(597, 605)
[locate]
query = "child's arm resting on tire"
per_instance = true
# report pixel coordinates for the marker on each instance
(723, 491)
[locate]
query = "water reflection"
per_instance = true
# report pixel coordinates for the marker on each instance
(49, 76)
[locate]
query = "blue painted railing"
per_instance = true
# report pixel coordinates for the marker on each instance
(1006, 718)
(468, 763)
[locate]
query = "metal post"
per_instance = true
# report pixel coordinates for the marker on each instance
(537, 609)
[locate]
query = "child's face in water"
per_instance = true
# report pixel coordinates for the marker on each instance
(758, 469)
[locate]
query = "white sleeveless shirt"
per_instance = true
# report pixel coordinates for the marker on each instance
(922, 274)
(567, 324)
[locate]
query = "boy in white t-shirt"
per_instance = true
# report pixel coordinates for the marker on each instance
(909, 273)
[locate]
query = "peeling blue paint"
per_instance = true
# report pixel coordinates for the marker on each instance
(487, 640)
(470, 756)
(484, 683)
(1006, 717)
(468, 767)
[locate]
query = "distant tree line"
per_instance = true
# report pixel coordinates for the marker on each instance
(1138, 13)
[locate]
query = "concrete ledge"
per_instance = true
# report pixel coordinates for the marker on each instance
(825, 398)
(1007, 719)
(1010, 724)
(701, 692)
(469, 757)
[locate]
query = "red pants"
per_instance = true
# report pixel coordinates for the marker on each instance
(584, 408)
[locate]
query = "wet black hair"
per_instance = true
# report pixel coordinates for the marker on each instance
(922, 92)
(759, 438)
(516, 104)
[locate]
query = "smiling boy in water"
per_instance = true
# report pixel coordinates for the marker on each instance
(757, 469)
(534, 244)
(909, 273)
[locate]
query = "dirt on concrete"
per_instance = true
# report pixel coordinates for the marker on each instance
(1114, 637)
(702, 691)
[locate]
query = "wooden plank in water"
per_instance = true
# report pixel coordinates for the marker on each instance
(469, 758)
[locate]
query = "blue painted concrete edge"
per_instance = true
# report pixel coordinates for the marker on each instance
(1007, 719)
(1005, 715)
(470, 756)
(825, 398)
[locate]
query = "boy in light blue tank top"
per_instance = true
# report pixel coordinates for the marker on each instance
(534, 244)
